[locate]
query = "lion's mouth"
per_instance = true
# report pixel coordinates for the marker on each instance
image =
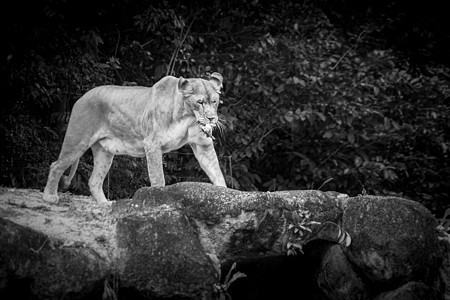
(207, 128)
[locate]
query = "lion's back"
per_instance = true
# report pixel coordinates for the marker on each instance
(127, 95)
(104, 105)
(112, 93)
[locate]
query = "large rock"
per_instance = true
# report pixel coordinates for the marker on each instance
(337, 278)
(52, 252)
(166, 242)
(34, 265)
(393, 240)
(410, 291)
(234, 225)
(158, 244)
(160, 253)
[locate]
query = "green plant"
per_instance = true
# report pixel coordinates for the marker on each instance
(221, 289)
(300, 224)
(443, 228)
(111, 291)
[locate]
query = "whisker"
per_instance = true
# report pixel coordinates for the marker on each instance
(221, 127)
(221, 119)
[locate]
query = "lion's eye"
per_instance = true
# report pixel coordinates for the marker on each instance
(200, 101)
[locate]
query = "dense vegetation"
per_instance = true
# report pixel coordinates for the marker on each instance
(330, 95)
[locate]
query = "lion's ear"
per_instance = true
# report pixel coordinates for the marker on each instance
(184, 86)
(217, 79)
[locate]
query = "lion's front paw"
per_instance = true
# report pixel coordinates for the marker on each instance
(104, 203)
(51, 198)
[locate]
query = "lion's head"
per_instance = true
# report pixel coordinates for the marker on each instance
(202, 97)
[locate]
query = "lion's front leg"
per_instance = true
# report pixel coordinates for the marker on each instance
(154, 164)
(207, 158)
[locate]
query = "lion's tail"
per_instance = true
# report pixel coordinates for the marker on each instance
(65, 180)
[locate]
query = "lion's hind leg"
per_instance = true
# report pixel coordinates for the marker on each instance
(65, 181)
(102, 163)
(71, 151)
(57, 168)
(51, 189)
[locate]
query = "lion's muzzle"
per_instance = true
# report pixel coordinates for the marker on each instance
(207, 125)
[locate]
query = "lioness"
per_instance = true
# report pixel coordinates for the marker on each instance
(140, 121)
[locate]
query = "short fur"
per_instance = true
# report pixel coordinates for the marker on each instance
(140, 121)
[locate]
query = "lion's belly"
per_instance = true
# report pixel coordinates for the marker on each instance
(120, 147)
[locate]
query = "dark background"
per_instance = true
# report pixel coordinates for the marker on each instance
(351, 96)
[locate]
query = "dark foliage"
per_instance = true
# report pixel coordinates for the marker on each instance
(332, 95)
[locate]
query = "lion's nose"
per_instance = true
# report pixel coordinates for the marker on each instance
(211, 119)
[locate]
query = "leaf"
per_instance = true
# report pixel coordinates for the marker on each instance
(295, 217)
(327, 135)
(321, 116)
(298, 246)
(324, 183)
(280, 88)
(236, 276)
(396, 125)
(351, 138)
(446, 225)
(306, 228)
(229, 273)
(313, 223)
(274, 98)
(376, 90)
(101, 65)
(445, 237)
(237, 80)
(289, 116)
(297, 80)
(216, 262)
(444, 222)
